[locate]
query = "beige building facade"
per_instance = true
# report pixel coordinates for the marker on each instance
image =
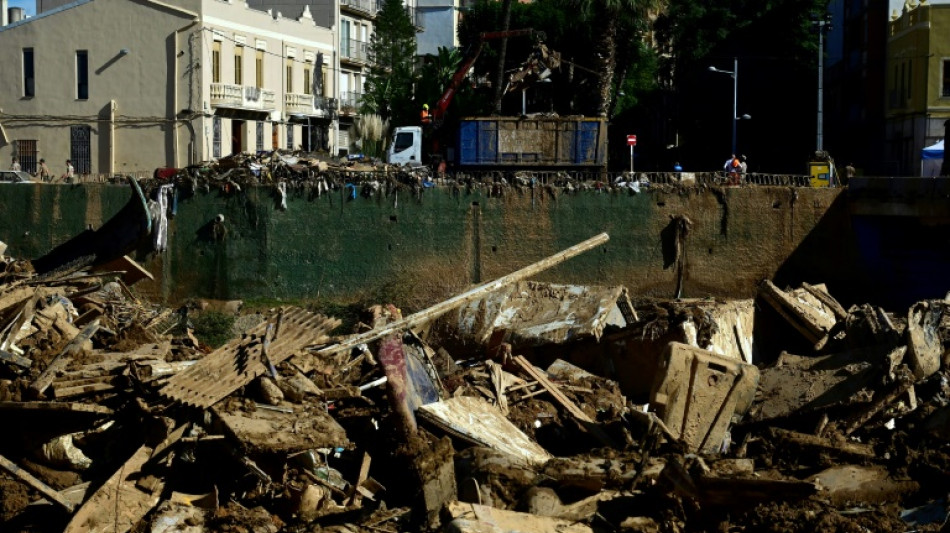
(119, 87)
(917, 82)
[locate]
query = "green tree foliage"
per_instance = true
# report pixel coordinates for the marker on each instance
(577, 88)
(392, 51)
(777, 51)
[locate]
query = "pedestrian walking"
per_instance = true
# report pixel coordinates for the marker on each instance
(15, 165)
(70, 172)
(743, 167)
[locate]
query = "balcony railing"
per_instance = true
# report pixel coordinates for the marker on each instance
(354, 50)
(226, 94)
(370, 7)
(350, 102)
(230, 95)
(307, 104)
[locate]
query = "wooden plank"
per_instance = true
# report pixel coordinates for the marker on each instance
(438, 309)
(357, 496)
(61, 361)
(476, 421)
(827, 300)
(565, 402)
(30, 480)
(15, 359)
(132, 272)
(71, 407)
(118, 505)
(804, 440)
(474, 518)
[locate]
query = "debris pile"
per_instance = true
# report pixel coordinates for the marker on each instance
(516, 406)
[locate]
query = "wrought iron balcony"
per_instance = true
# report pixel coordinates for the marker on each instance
(368, 7)
(354, 50)
(350, 102)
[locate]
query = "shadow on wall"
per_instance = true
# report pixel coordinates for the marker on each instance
(887, 261)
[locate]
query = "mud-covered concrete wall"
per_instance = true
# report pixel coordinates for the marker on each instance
(417, 249)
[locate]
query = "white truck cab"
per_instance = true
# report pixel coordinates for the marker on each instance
(406, 147)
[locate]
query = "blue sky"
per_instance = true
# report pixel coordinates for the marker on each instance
(28, 5)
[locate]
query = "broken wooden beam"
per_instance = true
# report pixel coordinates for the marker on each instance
(30, 480)
(103, 512)
(438, 309)
(61, 361)
(806, 441)
(15, 359)
(586, 422)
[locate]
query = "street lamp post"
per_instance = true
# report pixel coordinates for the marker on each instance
(823, 25)
(735, 93)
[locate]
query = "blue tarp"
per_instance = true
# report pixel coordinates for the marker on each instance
(932, 152)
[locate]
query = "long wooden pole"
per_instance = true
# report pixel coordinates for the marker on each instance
(466, 297)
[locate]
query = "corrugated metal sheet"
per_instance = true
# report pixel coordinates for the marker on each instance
(236, 364)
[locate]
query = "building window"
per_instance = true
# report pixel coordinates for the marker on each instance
(82, 76)
(946, 77)
(26, 152)
(290, 75)
(290, 136)
(345, 39)
(29, 79)
(80, 148)
(259, 61)
(216, 62)
(239, 65)
(216, 137)
(903, 94)
(306, 80)
(260, 136)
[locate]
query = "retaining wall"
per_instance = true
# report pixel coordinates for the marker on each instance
(416, 249)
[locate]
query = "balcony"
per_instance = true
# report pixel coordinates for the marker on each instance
(309, 105)
(354, 51)
(242, 97)
(350, 102)
(364, 7)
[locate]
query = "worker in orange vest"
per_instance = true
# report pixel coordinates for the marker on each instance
(424, 115)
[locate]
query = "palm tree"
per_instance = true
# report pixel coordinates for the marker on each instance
(610, 14)
(502, 51)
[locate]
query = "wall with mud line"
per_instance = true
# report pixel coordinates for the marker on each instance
(417, 248)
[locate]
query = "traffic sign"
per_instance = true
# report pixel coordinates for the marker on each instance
(631, 140)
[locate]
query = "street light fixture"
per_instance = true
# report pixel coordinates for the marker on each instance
(734, 73)
(822, 25)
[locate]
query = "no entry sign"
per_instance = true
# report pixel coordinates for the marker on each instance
(631, 140)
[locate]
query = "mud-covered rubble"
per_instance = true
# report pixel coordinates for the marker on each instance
(517, 406)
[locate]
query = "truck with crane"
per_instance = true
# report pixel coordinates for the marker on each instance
(506, 143)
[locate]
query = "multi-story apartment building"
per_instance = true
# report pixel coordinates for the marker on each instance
(353, 21)
(917, 82)
(118, 86)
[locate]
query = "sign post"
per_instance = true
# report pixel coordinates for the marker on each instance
(631, 142)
